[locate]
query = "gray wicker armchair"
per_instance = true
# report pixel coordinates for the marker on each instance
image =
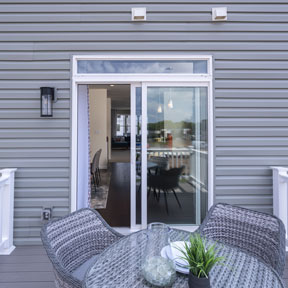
(73, 243)
(259, 234)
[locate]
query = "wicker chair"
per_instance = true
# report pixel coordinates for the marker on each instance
(259, 234)
(73, 243)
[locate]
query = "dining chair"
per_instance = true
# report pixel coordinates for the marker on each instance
(259, 234)
(93, 176)
(95, 171)
(74, 242)
(162, 163)
(166, 180)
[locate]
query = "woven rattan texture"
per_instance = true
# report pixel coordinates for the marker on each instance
(120, 266)
(74, 239)
(260, 234)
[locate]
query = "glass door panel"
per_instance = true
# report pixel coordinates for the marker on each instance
(136, 155)
(177, 154)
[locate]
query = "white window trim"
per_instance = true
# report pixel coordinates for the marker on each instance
(192, 79)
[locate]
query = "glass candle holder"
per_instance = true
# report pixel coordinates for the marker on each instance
(156, 268)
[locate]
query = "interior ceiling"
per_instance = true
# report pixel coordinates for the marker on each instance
(119, 94)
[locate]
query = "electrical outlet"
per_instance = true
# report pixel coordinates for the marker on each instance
(46, 214)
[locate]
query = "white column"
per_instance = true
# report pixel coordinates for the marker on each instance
(6, 210)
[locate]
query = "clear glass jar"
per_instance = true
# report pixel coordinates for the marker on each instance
(157, 268)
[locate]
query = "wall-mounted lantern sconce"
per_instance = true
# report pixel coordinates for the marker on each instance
(138, 14)
(219, 14)
(47, 99)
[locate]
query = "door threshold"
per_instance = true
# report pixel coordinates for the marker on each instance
(123, 230)
(128, 230)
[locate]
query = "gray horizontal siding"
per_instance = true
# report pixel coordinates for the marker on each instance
(145, 36)
(38, 38)
(157, 6)
(141, 2)
(187, 17)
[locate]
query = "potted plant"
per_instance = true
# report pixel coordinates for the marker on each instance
(201, 260)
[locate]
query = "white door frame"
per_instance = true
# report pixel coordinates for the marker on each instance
(190, 84)
(133, 212)
(189, 79)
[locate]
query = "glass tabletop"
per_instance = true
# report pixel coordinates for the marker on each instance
(120, 266)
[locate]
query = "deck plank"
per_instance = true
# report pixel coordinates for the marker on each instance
(32, 267)
(28, 285)
(29, 267)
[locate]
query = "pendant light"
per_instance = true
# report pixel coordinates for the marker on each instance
(159, 109)
(170, 102)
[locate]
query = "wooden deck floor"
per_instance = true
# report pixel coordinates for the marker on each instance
(29, 267)
(26, 267)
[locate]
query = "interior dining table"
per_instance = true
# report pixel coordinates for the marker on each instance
(120, 266)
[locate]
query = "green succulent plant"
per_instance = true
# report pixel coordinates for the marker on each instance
(200, 259)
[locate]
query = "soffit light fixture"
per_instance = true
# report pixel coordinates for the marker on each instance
(219, 14)
(138, 14)
(47, 99)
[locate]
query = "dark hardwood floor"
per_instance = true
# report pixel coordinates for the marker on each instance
(117, 212)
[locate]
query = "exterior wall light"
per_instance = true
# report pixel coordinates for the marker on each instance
(138, 14)
(47, 99)
(219, 14)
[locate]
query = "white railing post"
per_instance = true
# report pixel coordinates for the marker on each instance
(280, 196)
(6, 210)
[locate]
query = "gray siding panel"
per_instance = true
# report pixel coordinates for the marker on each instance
(250, 52)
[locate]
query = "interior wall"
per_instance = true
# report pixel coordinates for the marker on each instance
(98, 123)
(113, 122)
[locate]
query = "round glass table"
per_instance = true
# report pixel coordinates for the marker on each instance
(120, 266)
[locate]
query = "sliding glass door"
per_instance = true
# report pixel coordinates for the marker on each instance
(170, 153)
(136, 157)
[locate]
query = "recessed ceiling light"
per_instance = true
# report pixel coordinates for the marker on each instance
(111, 85)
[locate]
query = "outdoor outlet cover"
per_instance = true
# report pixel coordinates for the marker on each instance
(46, 214)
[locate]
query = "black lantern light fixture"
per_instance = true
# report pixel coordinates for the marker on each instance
(47, 99)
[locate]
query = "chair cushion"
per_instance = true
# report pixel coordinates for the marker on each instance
(79, 273)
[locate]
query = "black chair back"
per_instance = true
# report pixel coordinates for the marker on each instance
(166, 180)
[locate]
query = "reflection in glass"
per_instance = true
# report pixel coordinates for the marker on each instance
(177, 154)
(123, 125)
(138, 152)
(142, 66)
